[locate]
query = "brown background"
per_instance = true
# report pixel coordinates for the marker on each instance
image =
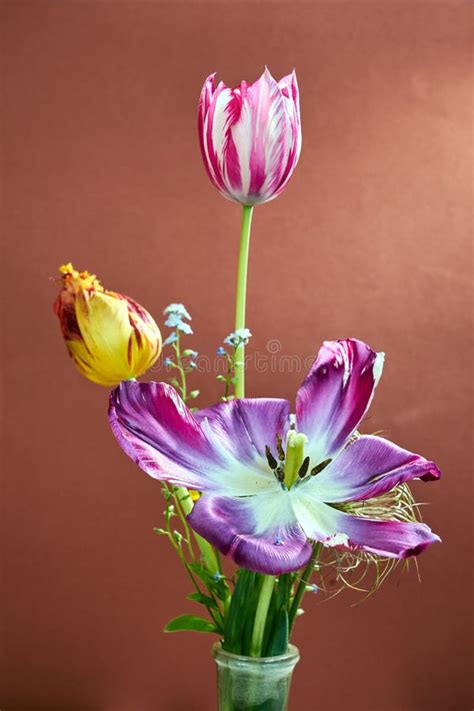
(371, 238)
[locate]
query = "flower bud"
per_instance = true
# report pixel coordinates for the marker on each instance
(108, 335)
(250, 136)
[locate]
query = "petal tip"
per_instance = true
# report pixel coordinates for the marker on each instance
(433, 473)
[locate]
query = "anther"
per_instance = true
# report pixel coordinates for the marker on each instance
(281, 453)
(272, 462)
(319, 468)
(303, 470)
(280, 474)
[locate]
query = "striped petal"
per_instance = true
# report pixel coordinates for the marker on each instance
(259, 532)
(290, 92)
(250, 137)
(263, 139)
(336, 394)
(369, 467)
(155, 428)
(392, 539)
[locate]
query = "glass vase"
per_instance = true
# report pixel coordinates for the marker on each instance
(254, 683)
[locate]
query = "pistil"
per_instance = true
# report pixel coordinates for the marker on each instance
(294, 456)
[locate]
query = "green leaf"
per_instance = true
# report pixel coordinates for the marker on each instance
(251, 604)
(218, 587)
(203, 600)
(276, 630)
(278, 639)
(190, 623)
(241, 612)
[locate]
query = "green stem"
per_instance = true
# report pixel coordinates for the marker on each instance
(216, 618)
(239, 383)
(177, 350)
(261, 615)
(184, 523)
(228, 376)
(241, 295)
(300, 590)
(208, 553)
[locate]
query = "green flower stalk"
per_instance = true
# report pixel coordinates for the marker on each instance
(241, 298)
(184, 362)
(235, 340)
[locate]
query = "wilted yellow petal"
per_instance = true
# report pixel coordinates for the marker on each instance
(109, 336)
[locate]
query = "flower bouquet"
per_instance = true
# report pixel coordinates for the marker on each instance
(291, 499)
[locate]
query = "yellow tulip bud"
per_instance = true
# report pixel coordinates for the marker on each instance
(108, 335)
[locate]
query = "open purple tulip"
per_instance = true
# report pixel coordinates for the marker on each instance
(250, 136)
(271, 481)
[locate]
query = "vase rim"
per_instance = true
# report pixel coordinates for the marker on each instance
(292, 654)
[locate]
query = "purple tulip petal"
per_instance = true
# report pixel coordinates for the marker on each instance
(247, 425)
(155, 428)
(367, 468)
(336, 394)
(394, 539)
(259, 532)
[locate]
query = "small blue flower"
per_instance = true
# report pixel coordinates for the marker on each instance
(236, 338)
(171, 339)
(313, 588)
(184, 327)
(192, 364)
(167, 362)
(191, 354)
(178, 310)
(216, 577)
(173, 320)
(221, 351)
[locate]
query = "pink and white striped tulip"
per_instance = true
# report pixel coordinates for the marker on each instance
(250, 136)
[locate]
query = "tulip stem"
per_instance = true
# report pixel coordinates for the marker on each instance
(208, 554)
(304, 581)
(239, 385)
(261, 613)
(240, 301)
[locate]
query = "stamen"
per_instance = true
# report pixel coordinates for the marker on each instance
(272, 462)
(280, 474)
(319, 467)
(303, 470)
(397, 504)
(281, 453)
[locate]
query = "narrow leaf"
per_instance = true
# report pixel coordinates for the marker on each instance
(202, 599)
(190, 623)
(241, 608)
